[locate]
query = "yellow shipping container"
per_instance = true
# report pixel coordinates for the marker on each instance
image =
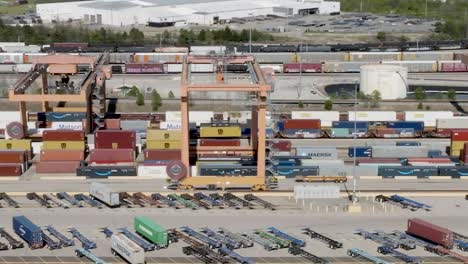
(220, 132)
(15, 144)
(158, 134)
(163, 144)
(57, 145)
(455, 147)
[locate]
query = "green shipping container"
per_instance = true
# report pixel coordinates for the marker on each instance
(151, 231)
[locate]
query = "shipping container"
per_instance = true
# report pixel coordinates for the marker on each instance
(427, 56)
(197, 117)
(63, 135)
(326, 117)
(296, 171)
(415, 125)
(415, 171)
(61, 155)
(374, 56)
(163, 144)
(360, 152)
(279, 145)
(10, 169)
(301, 124)
(337, 67)
(104, 194)
(202, 68)
(155, 57)
(67, 125)
(15, 144)
(127, 249)
(399, 151)
(7, 68)
(153, 232)
(453, 171)
(460, 122)
(302, 67)
(172, 49)
(326, 167)
(153, 134)
(430, 232)
(428, 117)
(214, 169)
(220, 132)
(138, 126)
(220, 142)
(415, 66)
(162, 154)
(408, 143)
(207, 50)
(28, 231)
(64, 117)
(456, 147)
(139, 68)
(11, 58)
(66, 145)
(57, 166)
(459, 135)
(381, 116)
(300, 133)
(111, 155)
(318, 153)
(379, 161)
(351, 124)
(115, 139)
(153, 170)
(173, 67)
(106, 171)
(452, 67)
(314, 57)
(13, 156)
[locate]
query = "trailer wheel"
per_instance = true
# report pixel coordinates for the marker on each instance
(78, 254)
(113, 252)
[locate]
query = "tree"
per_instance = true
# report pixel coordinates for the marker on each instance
(201, 36)
(134, 91)
(328, 105)
(171, 95)
(136, 36)
(376, 97)
(156, 101)
(452, 94)
(300, 104)
(140, 99)
(381, 36)
(428, 107)
(361, 96)
(420, 106)
(420, 94)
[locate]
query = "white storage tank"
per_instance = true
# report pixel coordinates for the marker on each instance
(390, 80)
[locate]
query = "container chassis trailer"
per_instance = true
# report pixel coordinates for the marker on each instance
(88, 200)
(13, 243)
(354, 252)
(146, 246)
(376, 238)
(64, 241)
(402, 202)
(9, 200)
(294, 241)
(198, 249)
(86, 243)
(81, 252)
(297, 251)
(246, 243)
(386, 250)
(331, 243)
(70, 199)
(34, 196)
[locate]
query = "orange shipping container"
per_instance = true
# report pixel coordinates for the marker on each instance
(61, 155)
(12, 157)
(57, 166)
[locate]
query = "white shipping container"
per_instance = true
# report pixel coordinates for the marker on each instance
(194, 116)
(428, 117)
(22, 49)
(7, 68)
(455, 122)
(277, 68)
(201, 68)
(122, 245)
(372, 116)
(326, 117)
(11, 44)
(16, 58)
(170, 125)
(23, 68)
(415, 66)
(104, 194)
(174, 68)
(206, 50)
(157, 172)
(67, 125)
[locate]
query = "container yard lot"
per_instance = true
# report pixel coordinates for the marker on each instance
(289, 218)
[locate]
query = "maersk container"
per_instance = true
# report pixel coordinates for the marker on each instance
(372, 116)
(104, 194)
(127, 249)
(361, 152)
(318, 153)
(28, 231)
(416, 125)
(64, 117)
(454, 172)
(151, 231)
(418, 171)
(399, 152)
(351, 124)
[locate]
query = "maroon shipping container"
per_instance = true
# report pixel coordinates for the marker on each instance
(436, 234)
(220, 142)
(301, 124)
(115, 139)
(12, 156)
(453, 67)
(112, 124)
(162, 154)
(111, 155)
(282, 145)
(10, 170)
(378, 160)
(459, 135)
(144, 68)
(57, 166)
(430, 160)
(63, 135)
(61, 155)
(304, 67)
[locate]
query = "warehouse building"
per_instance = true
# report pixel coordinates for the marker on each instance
(160, 13)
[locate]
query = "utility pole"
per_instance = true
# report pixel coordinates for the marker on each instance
(355, 200)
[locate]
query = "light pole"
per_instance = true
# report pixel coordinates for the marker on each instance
(354, 199)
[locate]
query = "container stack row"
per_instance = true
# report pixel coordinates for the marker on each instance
(300, 128)
(15, 156)
(458, 140)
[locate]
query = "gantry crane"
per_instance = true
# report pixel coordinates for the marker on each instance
(258, 90)
(91, 89)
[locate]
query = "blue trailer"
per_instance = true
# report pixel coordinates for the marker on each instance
(350, 124)
(408, 144)
(361, 152)
(415, 125)
(28, 231)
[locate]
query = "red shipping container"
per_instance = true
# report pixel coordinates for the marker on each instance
(220, 142)
(12, 156)
(301, 124)
(436, 234)
(459, 135)
(111, 155)
(283, 145)
(61, 155)
(453, 67)
(378, 160)
(144, 68)
(63, 135)
(10, 170)
(57, 166)
(113, 124)
(114, 139)
(162, 154)
(304, 67)
(430, 160)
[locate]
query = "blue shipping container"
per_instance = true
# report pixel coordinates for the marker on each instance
(361, 152)
(418, 171)
(64, 117)
(291, 172)
(417, 126)
(454, 172)
(434, 153)
(408, 143)
(350, 124)
(280, 125)
(28, 231)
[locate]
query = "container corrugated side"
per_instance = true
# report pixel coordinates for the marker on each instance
(163, 144)
(15, 144)
(63, 135)
(28, 231)
(221, 132)
(57, 166)
(372, 116)
(151, 231)
(157, 134)
(455, 122)
(61, 155)
(128, 249)
(399, 151)
(436, 234)
(65, 145)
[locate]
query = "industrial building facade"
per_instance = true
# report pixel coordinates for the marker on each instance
(178, 12)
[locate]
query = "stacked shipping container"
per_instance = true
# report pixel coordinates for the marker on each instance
(458, 140)
(300, 128)
(62, 151)
(14, 157)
